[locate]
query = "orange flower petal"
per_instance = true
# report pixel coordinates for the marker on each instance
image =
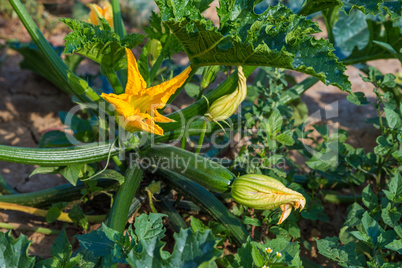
(161, 93)
(161, 119)
(121, 103)
(135, 83)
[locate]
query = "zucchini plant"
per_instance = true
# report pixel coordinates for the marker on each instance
(125, 150)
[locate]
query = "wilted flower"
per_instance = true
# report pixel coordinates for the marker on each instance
(263, 192)
(225, 106)
(97, 12)
(138, 105)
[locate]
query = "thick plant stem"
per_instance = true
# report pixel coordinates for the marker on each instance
(202, 136)
(113, 80)
(118, 214)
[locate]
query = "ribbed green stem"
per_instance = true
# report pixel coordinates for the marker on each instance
(117, 20)
(89, 153)
(202, 136)
(118, 214)
(113, 80)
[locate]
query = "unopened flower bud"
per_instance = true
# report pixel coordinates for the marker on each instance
(209, 75)
(154, 50)
(226, 105)
(263, 192)
(98, 12)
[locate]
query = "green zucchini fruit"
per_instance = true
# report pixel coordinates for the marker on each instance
(52, 157)
(197, 168)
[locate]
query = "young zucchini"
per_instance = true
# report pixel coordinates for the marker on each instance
(197, 168)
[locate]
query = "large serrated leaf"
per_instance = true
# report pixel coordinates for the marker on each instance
(192, 249)
(149, 226)
(100, 44)
(277, 37)
(384, 32)
(14, 252)
(373, 7)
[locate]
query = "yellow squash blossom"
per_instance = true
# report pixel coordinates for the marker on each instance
(138, 105)
(98, 12)
(263, 192)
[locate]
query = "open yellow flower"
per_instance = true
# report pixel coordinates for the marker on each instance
(138, 105)
(98, 12)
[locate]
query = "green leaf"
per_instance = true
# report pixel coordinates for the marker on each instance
(372, 228)
(251, 221)
(290, 251)
(157, 30)
(395, 245)
(61, 253)
(323, 161)
(78, 216)
(350, 31)
(394, 119)
(192, 90)
(149, 226)
(46, 170)
(345, 255)
(110, 174)
(55, 139)
(370, 199)
(394, 192)
(384, 145)
(286, 138)
(384, 32)
(54, 211)
(72, 172)
(197, 225)
(192, 249)
(274, 123)
(276, 38)
(355, 214)
(374, 7)
(357, 98)
(243, 256)
(390, 217)
(313, 6)
(14, 252)
(99, 43)
(97, 242)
